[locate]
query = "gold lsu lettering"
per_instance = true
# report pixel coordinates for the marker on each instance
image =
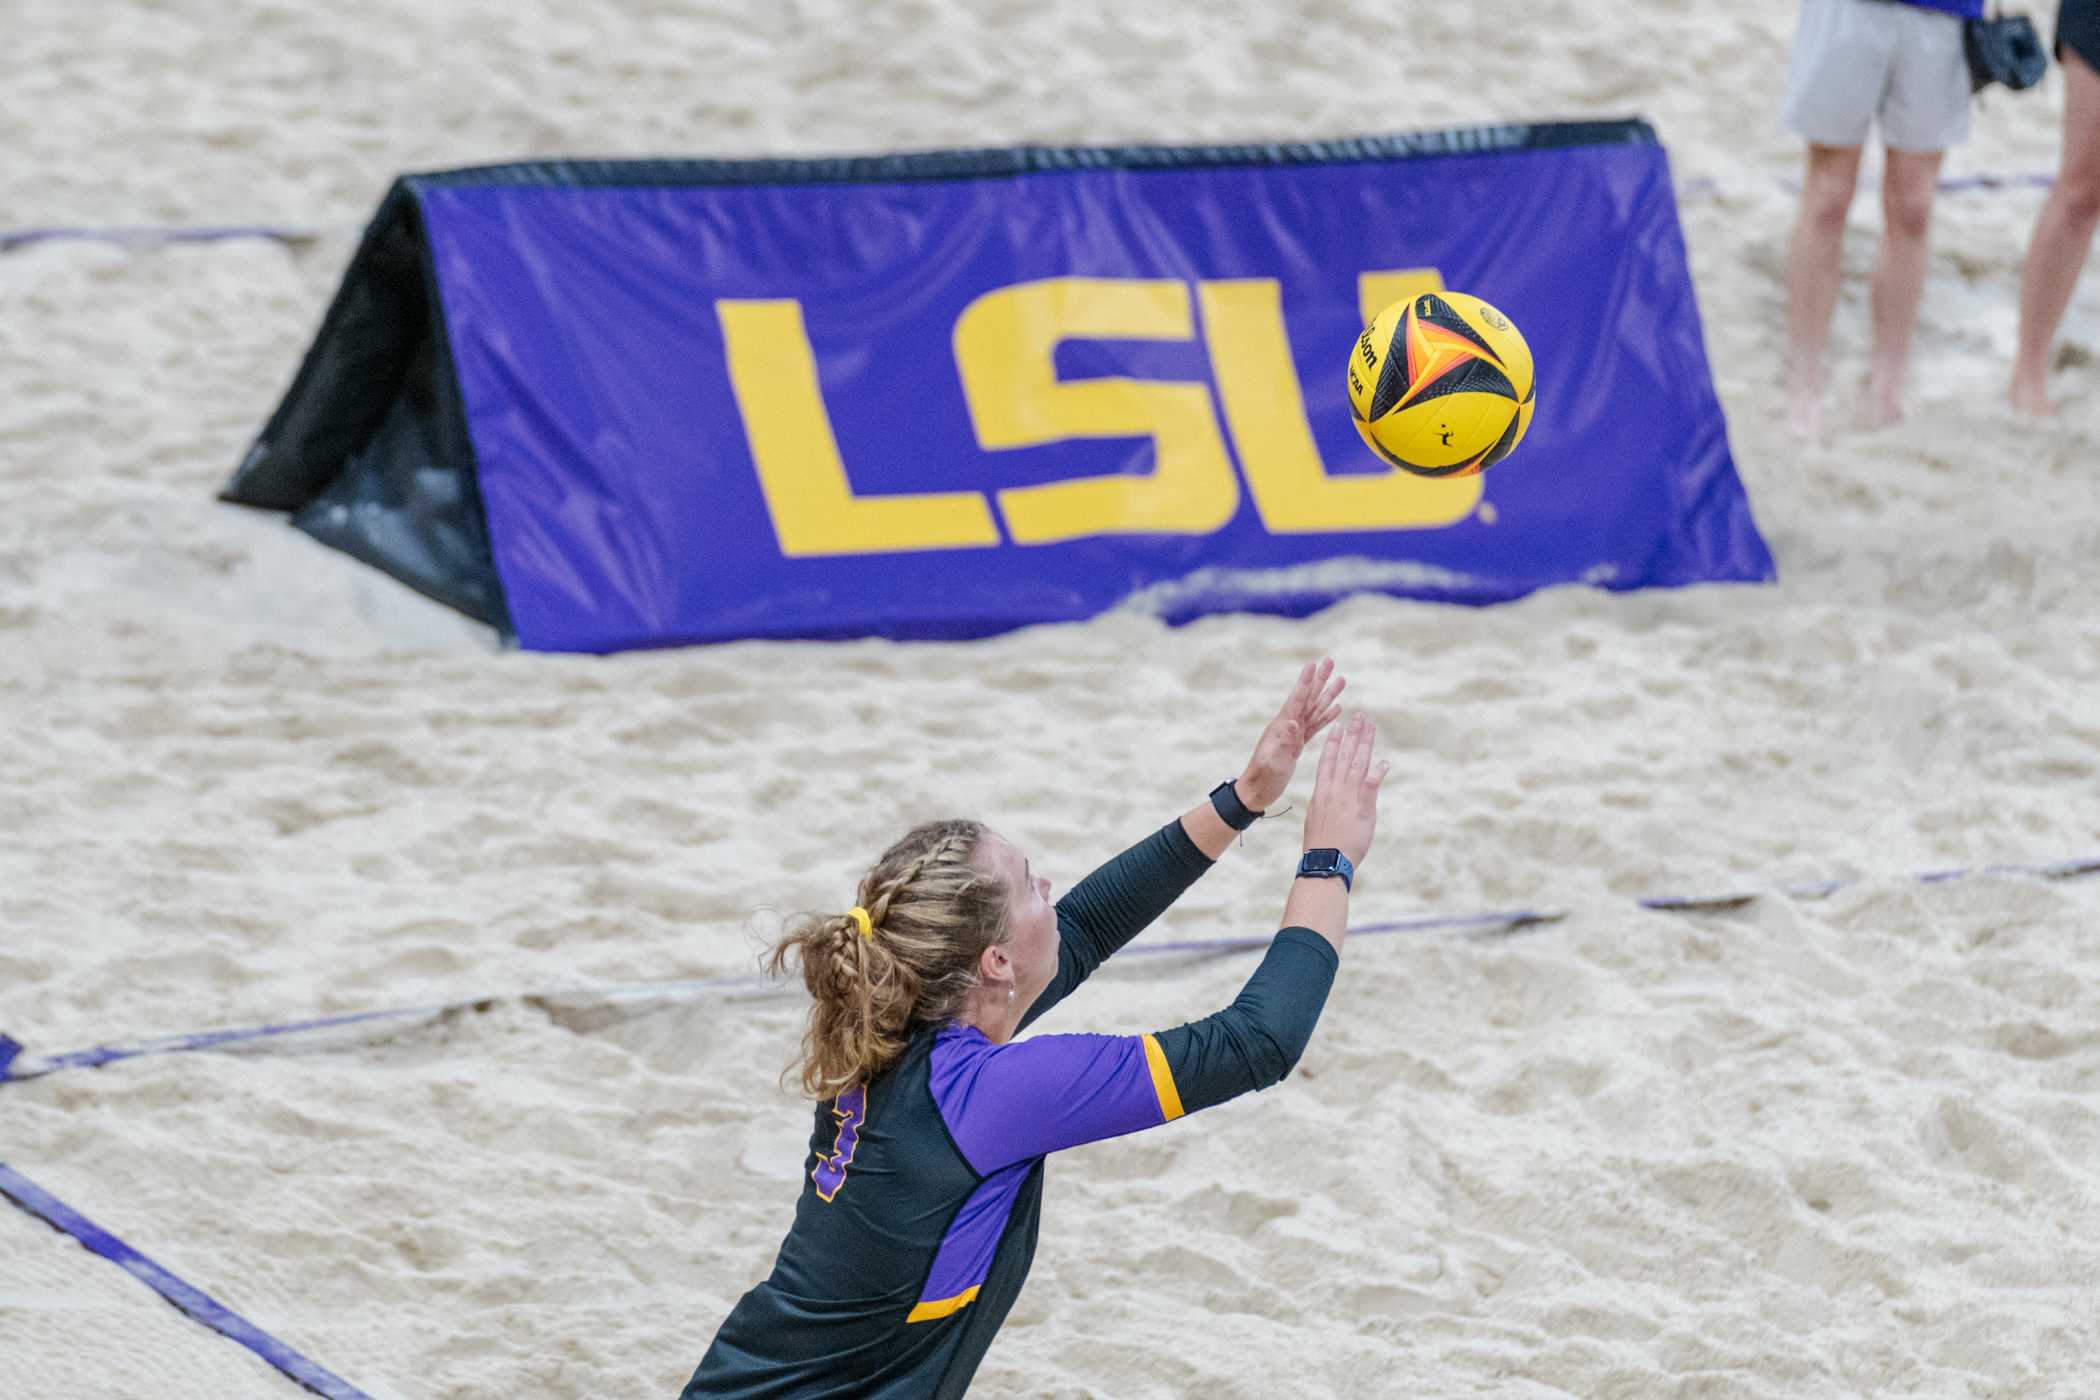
(1005, 344)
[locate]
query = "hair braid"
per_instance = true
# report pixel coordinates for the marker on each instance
(932, 914)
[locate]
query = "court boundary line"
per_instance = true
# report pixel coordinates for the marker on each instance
(185, 1298)
(200, 1307)
(17, 1066)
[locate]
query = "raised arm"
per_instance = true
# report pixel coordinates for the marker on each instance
(1111, 906)
(1008, 1103)
(1114, 904)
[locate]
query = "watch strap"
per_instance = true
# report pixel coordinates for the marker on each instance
(1225, 799)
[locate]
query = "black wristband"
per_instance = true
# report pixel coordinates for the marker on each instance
(1234, 813)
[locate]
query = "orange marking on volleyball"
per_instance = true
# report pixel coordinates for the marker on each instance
(1431, 350)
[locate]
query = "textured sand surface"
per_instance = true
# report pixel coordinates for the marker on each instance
(1803, 1149)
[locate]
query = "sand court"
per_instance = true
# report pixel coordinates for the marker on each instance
(1803, 1147)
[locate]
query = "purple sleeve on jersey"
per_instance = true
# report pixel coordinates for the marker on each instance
(1008, 1103)
(1965, 9)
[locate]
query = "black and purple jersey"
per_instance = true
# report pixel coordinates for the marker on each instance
(917, 1220)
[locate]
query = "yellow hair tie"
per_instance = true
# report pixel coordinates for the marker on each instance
(860, 916)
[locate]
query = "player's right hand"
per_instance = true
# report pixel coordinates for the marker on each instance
(1343, 812)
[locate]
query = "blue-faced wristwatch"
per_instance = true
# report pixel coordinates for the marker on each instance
(1325, 862)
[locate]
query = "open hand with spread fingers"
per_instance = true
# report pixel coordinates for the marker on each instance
(1308, 709)
(1343, 814)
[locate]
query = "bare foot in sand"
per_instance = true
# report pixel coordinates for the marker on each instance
(1805, 412)
(2031, 397)
(1884, 402)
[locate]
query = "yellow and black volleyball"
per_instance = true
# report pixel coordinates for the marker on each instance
(1441, 384)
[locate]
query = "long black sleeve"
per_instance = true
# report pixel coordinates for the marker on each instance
(1257, 1040)
(1114, 904)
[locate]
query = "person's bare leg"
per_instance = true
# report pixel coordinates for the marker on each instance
(1813, 267)
(2063, 235)
(1908, 183)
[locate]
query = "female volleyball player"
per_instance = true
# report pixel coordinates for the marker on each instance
(917, 1219)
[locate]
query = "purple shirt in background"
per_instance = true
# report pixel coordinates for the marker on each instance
(1964, 9)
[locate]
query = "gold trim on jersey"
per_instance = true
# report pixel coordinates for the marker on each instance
(1162, 1080)
(942, 1307)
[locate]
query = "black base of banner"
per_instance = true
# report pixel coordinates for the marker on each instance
(369, 449)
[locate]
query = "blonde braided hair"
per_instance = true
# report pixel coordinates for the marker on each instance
(932, 913)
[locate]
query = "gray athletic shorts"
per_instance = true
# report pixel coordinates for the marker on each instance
(1856, 60)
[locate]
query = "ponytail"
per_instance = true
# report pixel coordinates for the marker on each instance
(930, 914)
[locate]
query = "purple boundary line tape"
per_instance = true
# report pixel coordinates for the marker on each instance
(11, 1050)
(98, 1055)
(186, 1299)
(1820, 889)
(1515, 918)
(2039, 180)
(16, 1068)
(142, 235)
(1707, 187)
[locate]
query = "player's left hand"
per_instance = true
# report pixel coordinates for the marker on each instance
(1309, 709)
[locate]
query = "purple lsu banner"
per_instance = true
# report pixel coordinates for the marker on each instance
(948, 395)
